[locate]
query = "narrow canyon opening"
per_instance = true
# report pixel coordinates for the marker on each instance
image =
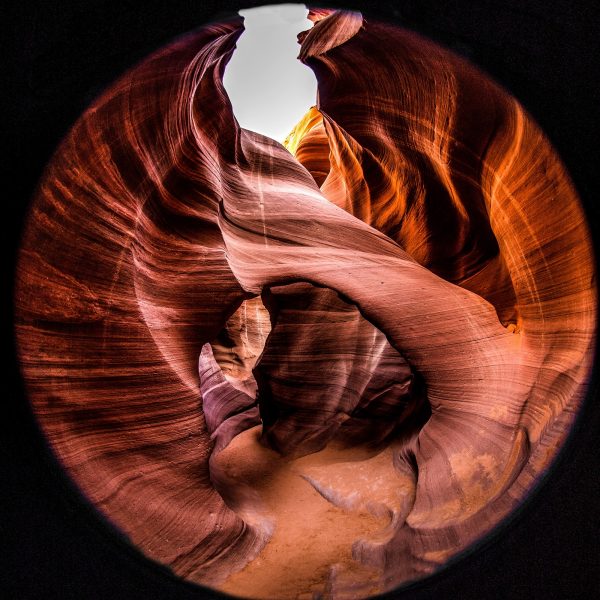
(269, 88)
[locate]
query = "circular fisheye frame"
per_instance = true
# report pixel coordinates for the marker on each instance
(308, 358)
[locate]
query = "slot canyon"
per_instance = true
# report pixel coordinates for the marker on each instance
(316, 369)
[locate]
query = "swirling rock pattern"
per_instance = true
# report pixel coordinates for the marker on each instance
(365, 348)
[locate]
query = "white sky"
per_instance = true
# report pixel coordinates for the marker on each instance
(269, 88)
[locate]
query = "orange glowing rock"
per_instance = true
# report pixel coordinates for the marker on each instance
(365, 348)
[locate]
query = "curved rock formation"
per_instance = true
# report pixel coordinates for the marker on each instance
(366, 349)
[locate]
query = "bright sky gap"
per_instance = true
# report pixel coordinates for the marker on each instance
(269, 88)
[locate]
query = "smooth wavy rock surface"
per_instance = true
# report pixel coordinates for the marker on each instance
(365, 349)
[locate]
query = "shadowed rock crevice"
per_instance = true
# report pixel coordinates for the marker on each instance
(323, 373)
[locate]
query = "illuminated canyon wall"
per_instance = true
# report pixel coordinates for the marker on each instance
(365, 350)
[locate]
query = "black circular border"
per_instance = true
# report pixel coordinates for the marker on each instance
(60, 57)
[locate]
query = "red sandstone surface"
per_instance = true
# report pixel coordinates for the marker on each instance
(324, 369)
